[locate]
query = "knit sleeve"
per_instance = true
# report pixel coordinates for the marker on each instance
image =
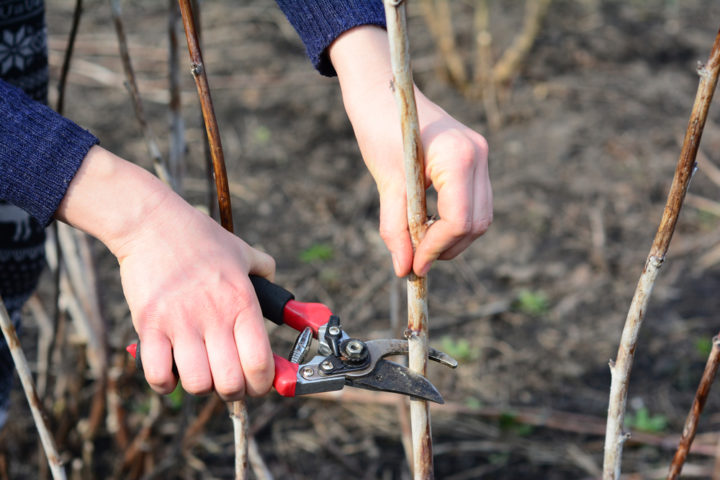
(40, 151)
(320, 22)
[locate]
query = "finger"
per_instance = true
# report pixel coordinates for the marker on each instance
(482, 216)
(253, 348)
(191, 358)
(157, 362)
(394, 230)
(440, 237)
(262, 264)
(456, 201)
(227, 374)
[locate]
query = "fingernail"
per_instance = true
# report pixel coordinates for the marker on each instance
(424, 271)
(396, 264)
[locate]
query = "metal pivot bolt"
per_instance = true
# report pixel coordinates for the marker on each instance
(307, 372)
(355, 351)
(327, 366)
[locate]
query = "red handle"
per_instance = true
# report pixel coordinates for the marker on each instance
(299, 315)
(285, 376)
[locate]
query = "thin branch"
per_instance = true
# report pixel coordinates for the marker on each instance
(438, 18)
(511, 59)
(417, 223)
(211, 126)
(131, 83)
(176, 155)
(484, 85)
(238, 410)
(77, 14)
(21, 365)
(537, 417)
(621, 367)
(691, 422)
(257, 463)
(82, 284)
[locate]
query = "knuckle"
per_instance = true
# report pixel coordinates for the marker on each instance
(481, 144)
(161, 384)
(259, 376)
(483, 225)
(197, 384)
(461, 229)
(388, 233)
(231, 387)
(463, 148)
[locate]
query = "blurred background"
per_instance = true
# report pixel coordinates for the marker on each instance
(584, 104)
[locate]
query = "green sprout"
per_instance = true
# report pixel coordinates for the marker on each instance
(319, 252)
(642, 420)
(534, 303)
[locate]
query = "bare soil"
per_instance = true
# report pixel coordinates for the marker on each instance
(581, 166)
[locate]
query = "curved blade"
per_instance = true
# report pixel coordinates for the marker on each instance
(393, 346)
(390, 377)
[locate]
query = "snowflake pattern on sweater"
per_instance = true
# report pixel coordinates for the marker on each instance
(23, 63)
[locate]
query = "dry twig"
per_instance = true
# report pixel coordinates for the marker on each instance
(131, 84)
(77, 14)
(21, 365)
(438, 17)
(621, 367)
(691, 422)
(509, 63)
(176, 155)
(417, 218)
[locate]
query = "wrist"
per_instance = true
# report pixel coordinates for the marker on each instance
(112, 199)
(361, 58)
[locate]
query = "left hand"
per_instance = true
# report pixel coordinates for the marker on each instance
(455, 156)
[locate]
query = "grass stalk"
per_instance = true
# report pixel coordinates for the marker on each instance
(620, 368)
(693, 417)
(417, 217)
(21, 365)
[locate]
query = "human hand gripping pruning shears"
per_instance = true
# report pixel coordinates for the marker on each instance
(340, 359)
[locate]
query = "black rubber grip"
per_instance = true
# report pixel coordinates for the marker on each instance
(272, 298)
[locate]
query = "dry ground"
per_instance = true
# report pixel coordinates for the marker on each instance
(580, 170)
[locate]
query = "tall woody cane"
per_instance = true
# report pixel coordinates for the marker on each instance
(402, 85)
(238, 410)
(621, 367)
(23, 369)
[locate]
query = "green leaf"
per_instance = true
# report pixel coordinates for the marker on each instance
(534, 303)
(703, 345)
(644, 421)
(459, 349)
(262, 135)
(175, 399)
(509, 423)
(319, 252)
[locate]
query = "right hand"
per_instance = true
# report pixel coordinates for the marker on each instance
(184, 277)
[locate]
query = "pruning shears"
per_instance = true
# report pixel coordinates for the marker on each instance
(340, 359)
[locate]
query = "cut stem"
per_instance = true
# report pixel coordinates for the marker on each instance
(417, 218)
(620, 369)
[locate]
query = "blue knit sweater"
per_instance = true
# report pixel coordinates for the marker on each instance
(40, 151)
